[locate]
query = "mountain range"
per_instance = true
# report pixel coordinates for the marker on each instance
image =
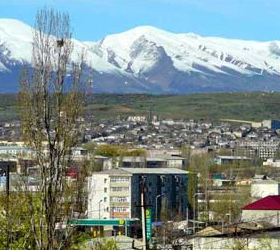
(149, 60)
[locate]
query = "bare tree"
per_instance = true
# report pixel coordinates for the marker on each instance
(51, 99)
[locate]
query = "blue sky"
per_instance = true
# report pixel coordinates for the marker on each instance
(93, 19)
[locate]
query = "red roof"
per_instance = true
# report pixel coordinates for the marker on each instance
(72, 173)
(271, 202)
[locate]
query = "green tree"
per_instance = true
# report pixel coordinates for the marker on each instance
(227, 206)
(104, 245)
(198, 179)
(50, 101)
(116, 150)
(186, 153)
(17, 227)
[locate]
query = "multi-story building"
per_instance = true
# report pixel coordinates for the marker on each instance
(261, 149)
(116, 193)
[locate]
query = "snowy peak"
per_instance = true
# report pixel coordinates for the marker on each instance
(189, 52)
(148, 59)
(16, 28)
(15, 40)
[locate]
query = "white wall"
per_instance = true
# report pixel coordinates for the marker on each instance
(261, 190)
(174, 163)
(98, 189)
(271, 216)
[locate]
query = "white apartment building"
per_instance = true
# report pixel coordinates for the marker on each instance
(261, 149)
(115, 193)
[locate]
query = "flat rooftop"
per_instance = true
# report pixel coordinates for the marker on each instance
(143, 171)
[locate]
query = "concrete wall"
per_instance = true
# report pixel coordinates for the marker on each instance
(271, 216)
(98, 189)
(175, 163)
(261, 190)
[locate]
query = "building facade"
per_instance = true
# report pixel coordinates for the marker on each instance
(266, 209)
(116, 193)
(261, 149)
(264, 188)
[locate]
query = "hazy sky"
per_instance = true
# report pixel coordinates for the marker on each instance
(93, 19)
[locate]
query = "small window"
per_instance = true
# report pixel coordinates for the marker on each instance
(105, 180)
(105, 190)
(105, 199)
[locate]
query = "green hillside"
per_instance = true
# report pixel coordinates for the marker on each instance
(253, 106)
(245, 106)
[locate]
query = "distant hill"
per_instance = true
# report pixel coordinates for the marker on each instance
(253, 106)
(149, 60)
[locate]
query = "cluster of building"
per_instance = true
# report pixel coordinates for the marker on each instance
(245, 138)
(157, 182)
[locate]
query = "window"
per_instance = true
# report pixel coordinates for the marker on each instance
(119, 189)
(105, 199)
(105, 180)
(105, 190)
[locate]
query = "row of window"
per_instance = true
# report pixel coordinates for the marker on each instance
(119, 199)
(120, 209)
(119, 189)
(119, 179)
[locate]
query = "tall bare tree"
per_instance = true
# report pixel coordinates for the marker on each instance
(51, 99)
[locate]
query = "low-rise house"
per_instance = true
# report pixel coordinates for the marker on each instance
(224, 159)
(267, 209)
(251, 235)
(272, 163)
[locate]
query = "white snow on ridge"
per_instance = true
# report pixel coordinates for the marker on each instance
(16, 37)
(16, 40)
(136, 51)
(16, 29)
(187, 50)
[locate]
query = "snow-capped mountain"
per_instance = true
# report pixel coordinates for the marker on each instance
(146, 59)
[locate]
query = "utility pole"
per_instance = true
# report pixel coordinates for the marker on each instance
(99, 228)
(194, 211)
(143, 211)
(5, 171)
(8, 200)
(156, 212)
